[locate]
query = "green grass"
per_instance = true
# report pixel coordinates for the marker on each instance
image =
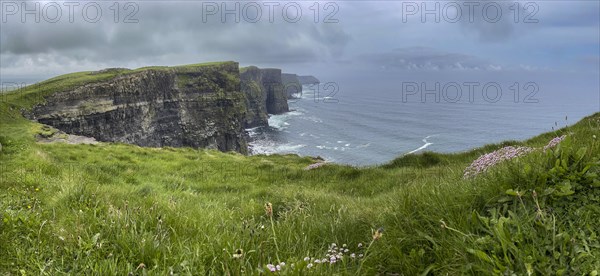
(106, 209)
(187, 67)
(30, 95)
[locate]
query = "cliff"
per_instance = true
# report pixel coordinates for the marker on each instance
(291, 85)
(264, 93)
(198, 106)
(201, 106)
(308, 80)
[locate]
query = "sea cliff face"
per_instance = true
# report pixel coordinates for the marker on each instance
(196, 106)
(308, 80)
(264, 93)
(291, 85)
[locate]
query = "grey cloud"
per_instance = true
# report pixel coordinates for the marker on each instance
(531, 16)
(19, 38)
(170, 32)
(484, 25)
(566, 14)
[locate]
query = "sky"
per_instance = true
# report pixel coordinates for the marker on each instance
(302, 37)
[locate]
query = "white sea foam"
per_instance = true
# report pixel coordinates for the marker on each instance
(344, 148)
(420, 148)
(279, 121)
(253, 131)
(424, 146)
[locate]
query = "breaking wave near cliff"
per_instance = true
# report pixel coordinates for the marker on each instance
(268, 139)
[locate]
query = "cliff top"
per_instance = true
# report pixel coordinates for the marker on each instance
(188, 66)
(30, 95)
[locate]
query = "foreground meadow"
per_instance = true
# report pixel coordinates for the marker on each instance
(116, 209)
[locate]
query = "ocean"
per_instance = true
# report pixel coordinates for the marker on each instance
(380, 118)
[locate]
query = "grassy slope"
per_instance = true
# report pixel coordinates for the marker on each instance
(109, 208)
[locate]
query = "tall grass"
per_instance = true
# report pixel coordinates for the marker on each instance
(120, 209)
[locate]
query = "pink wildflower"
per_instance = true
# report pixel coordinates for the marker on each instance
(484, 162)
(554, 142)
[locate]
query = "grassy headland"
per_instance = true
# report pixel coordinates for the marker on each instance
(115, 208)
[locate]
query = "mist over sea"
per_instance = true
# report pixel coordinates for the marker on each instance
(376, 117)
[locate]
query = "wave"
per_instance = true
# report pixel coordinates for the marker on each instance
(279, 121)
(253, 132)
(321, 147)
(424, 146)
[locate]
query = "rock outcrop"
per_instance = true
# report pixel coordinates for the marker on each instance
(291, 85)
(304, 80)
(264, 93)
(198, 106)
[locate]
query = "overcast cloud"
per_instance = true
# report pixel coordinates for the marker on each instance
(360, 33)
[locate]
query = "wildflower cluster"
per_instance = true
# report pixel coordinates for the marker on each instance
(275, 267)
(334, 255)
(554, 142)
(486, 161)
